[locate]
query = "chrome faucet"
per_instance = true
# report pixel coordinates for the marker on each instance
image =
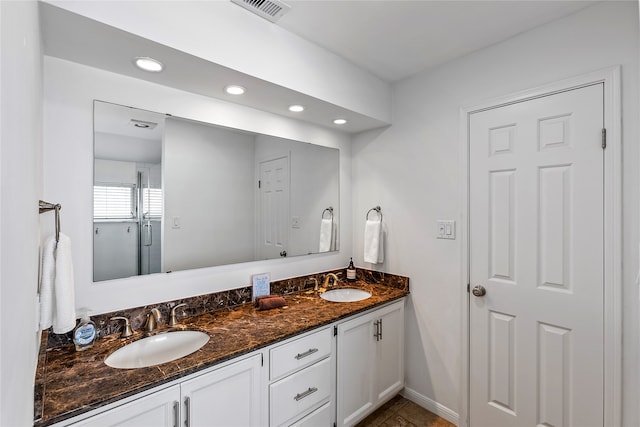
(329, 276)
(153, 318)
(172, 320)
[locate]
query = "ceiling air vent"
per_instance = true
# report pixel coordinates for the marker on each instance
(271, 10)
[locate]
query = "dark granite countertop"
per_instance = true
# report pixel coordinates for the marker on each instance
(72, 383)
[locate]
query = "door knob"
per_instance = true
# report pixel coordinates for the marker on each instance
(478, 291)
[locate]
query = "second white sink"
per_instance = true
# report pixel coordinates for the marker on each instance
(157, 349)
(345, 295)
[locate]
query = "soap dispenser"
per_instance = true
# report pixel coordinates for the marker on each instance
(85, 333)
(351, 272)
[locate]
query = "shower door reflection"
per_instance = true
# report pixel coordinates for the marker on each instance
(127, 196)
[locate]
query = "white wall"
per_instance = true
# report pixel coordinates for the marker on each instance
(69, 91)
(412, 170)
(223, 33)
(21, 183)
(114, 172)
(209, 184)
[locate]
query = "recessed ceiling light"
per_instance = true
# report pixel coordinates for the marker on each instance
(148, 64)
(296, 108)
(141, 124)
(339, 121)
(234, 90)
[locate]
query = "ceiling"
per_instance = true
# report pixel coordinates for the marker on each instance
(394, 39)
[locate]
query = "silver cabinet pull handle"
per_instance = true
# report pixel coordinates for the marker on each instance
(304, 394)
(306, 353)
(187, 412)
(380, 329)
(176, 413)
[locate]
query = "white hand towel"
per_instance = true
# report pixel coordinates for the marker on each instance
(48, 274)
(326, 235)
(373, 241)
(64, 316)
(57, 292)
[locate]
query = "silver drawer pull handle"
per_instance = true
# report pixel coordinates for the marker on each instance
(187, 412)
(304, 394)
(176, 413)
(306, 353)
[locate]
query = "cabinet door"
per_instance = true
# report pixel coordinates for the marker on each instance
(389, 365)
(370, 358)
(226, 397)
(159, 409)
(355, 368)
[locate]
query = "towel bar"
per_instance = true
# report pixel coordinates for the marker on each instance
(330, 210)
(377, 209)
(46, 207)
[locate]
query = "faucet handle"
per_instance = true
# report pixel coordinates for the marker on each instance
(172, 320)
(126, 331)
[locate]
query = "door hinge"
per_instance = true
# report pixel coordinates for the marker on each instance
(259, 184)
(335, 331)
(604, 138)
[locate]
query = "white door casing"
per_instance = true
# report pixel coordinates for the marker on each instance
(273, 212)
(526, 379)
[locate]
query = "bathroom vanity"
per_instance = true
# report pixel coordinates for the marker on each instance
(281, 367)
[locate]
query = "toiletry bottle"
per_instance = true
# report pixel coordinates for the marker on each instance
(85, 333)
(351, 272)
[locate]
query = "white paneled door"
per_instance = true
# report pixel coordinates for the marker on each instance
(536, 252)
(273, 212)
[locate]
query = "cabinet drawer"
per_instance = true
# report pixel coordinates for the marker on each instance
(321, 417)
(300, 392)
(299, 353)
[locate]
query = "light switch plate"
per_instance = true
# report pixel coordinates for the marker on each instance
(446, 229)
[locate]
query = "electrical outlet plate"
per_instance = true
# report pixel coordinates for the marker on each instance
(446, 229)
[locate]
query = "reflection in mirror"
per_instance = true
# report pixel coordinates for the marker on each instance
(174, 194)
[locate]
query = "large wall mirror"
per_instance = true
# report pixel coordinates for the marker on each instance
(174, 194)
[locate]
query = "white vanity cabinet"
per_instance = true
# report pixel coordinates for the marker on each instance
(302, 385)
(338, 373)
(226, 397)
(160, 409)
(370, 362)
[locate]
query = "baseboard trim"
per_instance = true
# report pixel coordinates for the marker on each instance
(430, 405)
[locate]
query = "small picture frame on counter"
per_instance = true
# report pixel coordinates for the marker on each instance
(261, 285)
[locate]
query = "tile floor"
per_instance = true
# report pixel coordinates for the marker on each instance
(400, 412)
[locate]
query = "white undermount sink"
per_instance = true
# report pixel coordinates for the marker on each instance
(345, 295)
(157, 349)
